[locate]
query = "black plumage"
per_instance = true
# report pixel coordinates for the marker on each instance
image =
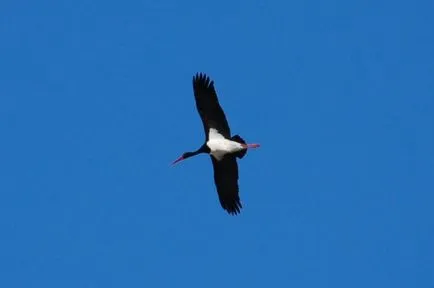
(226, 168)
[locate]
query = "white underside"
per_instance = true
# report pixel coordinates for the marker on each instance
(220, 146)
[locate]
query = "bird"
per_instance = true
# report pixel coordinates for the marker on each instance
(222, 148)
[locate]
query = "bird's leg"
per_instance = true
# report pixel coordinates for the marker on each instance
(246, 146)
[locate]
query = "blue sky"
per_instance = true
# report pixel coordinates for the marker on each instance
(96, 101)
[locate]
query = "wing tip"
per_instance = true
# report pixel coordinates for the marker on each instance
(233, 208)
(203, 80)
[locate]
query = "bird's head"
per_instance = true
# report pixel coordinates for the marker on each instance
(184, 156)
(203, 149)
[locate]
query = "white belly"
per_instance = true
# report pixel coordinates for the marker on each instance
(220, 147)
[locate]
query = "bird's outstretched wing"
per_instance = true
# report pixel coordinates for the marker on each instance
(226, 181)
(208, 106)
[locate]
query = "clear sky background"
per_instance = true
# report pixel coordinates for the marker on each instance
(96, 101)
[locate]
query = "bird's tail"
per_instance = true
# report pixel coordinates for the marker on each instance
(238, 139)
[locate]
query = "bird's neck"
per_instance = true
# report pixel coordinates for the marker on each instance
(203, 149)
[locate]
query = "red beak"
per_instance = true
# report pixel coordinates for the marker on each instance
(177, 160)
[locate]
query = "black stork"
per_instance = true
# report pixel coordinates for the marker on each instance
(223, 148)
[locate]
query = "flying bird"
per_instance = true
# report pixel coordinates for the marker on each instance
(223, 148)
